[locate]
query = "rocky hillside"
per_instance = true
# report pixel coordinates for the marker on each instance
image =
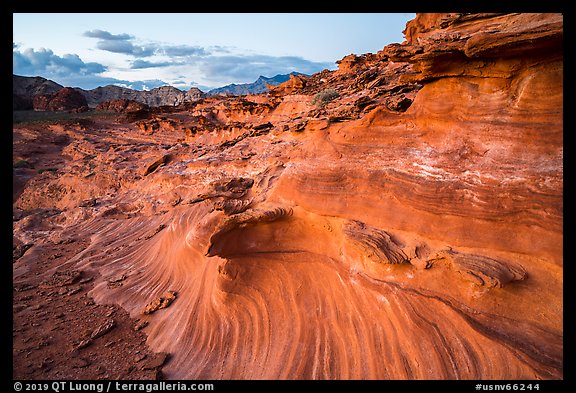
(256, 87)
(65, 99)
(160, 96)
(398, 218)
(26, 88)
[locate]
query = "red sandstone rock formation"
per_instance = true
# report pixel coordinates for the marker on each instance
(131, 110)
(410, 228)
(65, 99)
(122, 106)
(292, 85)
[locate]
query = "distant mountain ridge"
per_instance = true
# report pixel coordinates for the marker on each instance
(159, 96)
(256, 87)
(25, 88)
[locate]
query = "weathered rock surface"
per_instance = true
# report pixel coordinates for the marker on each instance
(409, 228)
(65, 99)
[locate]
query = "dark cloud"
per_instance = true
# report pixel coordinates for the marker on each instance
(88, 82)
(183, 50)
(107, 36)
(122, 43)
(44, 62)
(116, 46)
(140, 64)
(126, 47)
(220, 48)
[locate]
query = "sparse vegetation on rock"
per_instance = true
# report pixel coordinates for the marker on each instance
(322, 98)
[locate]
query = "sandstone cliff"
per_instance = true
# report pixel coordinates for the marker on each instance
(398, 218)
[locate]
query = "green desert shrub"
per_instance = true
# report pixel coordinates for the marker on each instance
(324, 97)
(47, 170)
(21, 164)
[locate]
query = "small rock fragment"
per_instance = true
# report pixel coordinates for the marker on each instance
(116, 281)
(117, 278)
(83, 344)
(74, 290)
(23, 287)
(88, 203)
(140, 325)
(162, 302)
(20, 250)
(79, 363)
(85, 280)
(156, 362)
(156, 164)
(103, 329)
(61, 279)
(138, 358)
(158, 229)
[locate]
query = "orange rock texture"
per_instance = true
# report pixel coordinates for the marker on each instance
(407, 227)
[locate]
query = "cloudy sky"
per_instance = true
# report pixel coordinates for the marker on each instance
(143, 51)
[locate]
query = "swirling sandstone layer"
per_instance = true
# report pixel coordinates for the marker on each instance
(411, 228)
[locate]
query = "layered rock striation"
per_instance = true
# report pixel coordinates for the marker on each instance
(409, 227)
